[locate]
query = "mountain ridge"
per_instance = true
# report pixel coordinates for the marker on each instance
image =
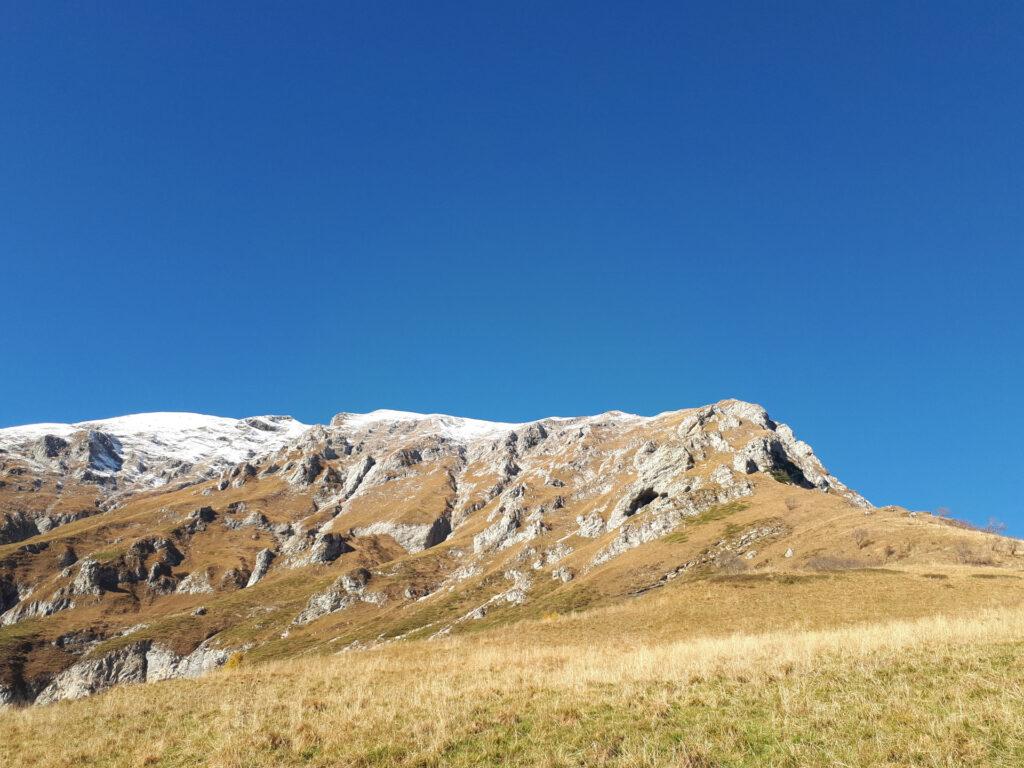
(288, 538)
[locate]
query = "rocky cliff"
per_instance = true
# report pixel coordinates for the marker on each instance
(154, 546)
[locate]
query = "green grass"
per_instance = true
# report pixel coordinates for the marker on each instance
(718, 512)
(735, 529)
(108, 555)
(679, 537)
(14, 636)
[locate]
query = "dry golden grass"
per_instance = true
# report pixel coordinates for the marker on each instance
(929, 691)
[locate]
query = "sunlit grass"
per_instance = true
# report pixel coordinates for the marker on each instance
(934, 691)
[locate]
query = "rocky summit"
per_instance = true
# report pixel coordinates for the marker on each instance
(154, 546)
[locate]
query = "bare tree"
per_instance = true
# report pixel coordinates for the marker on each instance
(994, 525)
(968, 556)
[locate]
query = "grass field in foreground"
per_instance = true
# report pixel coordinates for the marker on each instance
(940, 690)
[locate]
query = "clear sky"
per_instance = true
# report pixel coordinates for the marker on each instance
(513, 210)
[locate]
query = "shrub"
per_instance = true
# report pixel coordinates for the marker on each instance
(966, 555)
(234, 660)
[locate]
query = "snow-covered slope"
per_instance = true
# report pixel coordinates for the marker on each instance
(147, 450)
(453, 427)
(458, 428)
(151, 448)
(183, 510)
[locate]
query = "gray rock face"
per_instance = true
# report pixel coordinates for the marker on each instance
(327, 547)
(357, 474)
(67, 557)
(241, 473)
(410, 536)
(92, 579)
(103, 451)
(48, 522)
(555, 554)
(638, 497)
(664, 518)
(355, 582)
(562, 574)
(723, 476)
(263, 560)
(302, 548)
(196, 583)
(9, 696)
(307, 472)
(49, 447)
(37, 609)
(197, 520)
(324, 603)
(401, 459)
(519, 591)
(164, 664)
(346, 590)
(784, 456)
(499, 534)
(125, 665)
(590, 526)
(137, 662)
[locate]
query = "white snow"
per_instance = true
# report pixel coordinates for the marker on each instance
(152, 444)
(454, 427)
(462, 428)
(156, 439)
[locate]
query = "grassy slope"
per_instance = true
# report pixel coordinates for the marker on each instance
(773, 592)
(865, 668)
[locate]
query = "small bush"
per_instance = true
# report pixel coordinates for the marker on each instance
(996, 526)
(966, 555)
(234, 660)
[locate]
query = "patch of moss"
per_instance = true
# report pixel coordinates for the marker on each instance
(752, 579)
(718, 512)
(15, 636)
(108, 555)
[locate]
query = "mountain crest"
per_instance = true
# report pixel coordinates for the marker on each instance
(277, 534)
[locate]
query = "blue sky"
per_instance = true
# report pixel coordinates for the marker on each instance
(516, 210)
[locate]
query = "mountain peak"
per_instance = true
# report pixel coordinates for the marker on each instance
(149, 449)
(443, 519)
